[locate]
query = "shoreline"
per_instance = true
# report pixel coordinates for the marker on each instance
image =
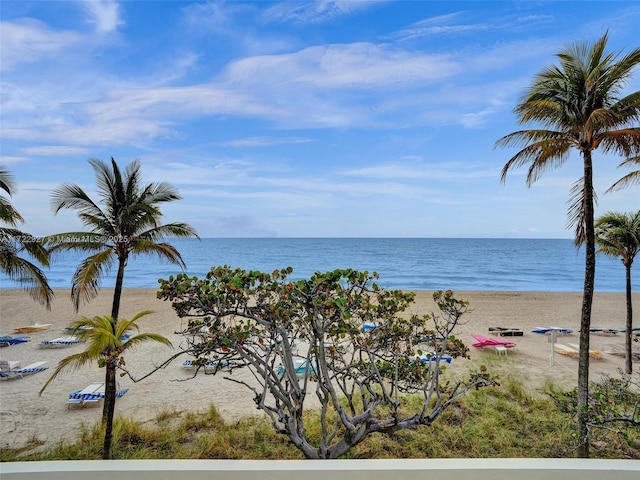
(24, 415)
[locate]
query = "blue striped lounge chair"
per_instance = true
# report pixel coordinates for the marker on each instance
(59, 342)
(22, 372)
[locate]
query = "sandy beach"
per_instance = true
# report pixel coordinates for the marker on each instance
(24, 415)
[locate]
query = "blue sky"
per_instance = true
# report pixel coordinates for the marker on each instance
(297, 119)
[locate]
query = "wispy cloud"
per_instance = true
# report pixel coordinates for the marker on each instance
(103, 14)
(28, 40)
(356, 65)
(265, 141)
(318, 11)
(56, 151)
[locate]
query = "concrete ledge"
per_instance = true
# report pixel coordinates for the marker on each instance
(418, 469)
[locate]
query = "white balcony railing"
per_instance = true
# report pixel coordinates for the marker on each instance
(437, 469)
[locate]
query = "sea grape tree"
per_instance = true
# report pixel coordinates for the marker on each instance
(337, 339)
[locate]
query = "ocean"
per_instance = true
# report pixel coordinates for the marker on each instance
(554, 265)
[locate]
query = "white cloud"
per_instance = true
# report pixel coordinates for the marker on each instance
(104, 14)
(318, 11)
(265, 141)
(340, 66)
(56, 151)
(28, 40)
(439, 25)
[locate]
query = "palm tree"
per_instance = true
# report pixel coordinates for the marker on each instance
(106, 343)
(14, 242)
(578, 107)
(618, 235)
(126, 225)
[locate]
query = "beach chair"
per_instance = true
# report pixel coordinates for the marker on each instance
(8, 365)
(596, 354)
(501, 347)
(566, 350)
(548, 330)
(619, 350)
(61, 342)
(90, 395)
(431, 357)
(7, 340)
(506, 332)
(209, 367)
(23, 372)
(36, 327)
(605, 332)
(482, 341)
(301, 368)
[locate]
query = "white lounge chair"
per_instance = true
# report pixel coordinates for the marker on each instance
(59, 342)
(90, 395)
(8, 365)
(302, 368)
(566, 350)
(22, 372)
(209, 367)
(596, 354)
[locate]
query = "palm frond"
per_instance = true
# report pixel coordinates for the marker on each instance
(31, 278)
(629, 179)
(7, 182)
(625, 142)
(576, 211)
(8, 214)
(140, 338)
(177, 230)
(72, 197)
(81, 241)
(74, 362)
(164, 251)
(160, 192)
(541, 155)
(88, 274)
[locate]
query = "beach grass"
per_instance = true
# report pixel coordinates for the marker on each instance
(504, 422)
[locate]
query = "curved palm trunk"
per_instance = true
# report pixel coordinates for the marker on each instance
(587, 301)
(109, 408)
(628, 367)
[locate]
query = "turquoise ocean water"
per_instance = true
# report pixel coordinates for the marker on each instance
(404, 263)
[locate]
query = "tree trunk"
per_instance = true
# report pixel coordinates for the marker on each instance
(587, 300)
(117, 292)
(109, 408)
(627, 343)
(110, 382)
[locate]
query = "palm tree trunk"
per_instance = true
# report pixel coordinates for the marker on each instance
(628, 367)
(587, 301)
(117, 293)
(109, 408)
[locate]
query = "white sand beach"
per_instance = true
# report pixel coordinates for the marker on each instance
(24, 415)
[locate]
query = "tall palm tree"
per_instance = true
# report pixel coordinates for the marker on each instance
(14, 242)
(127, 224)
(618, 235)
(578, 107)
(106, 343)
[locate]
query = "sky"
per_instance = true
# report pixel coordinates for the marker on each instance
(298, 119)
